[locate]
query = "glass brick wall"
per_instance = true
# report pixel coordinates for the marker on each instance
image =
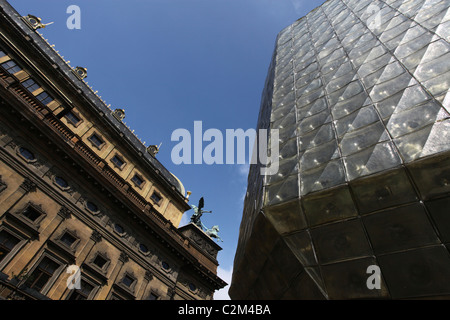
(359, 91)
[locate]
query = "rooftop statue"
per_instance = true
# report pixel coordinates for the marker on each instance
(214, 233)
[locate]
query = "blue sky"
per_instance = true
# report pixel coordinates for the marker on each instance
(169, 63)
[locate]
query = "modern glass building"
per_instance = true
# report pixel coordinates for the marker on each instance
(359, 93)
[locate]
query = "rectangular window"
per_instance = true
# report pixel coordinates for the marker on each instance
(137, 180)
(44, 97)
(96, 140)
(83, 293)
(156, 197)
(30, 85)
(42, 274)
(2, 53)
(118, 161)
(11, 67)
(72, 118)
(7, 243)
(99, 261)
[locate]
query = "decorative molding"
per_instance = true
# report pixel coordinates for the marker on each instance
(124, 257)
(148, 275)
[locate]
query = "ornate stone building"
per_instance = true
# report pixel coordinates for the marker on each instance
(359, 91)
(80, 193)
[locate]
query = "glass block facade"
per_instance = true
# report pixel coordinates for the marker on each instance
(359, 93)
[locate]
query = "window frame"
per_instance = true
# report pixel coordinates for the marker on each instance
(75, 115)
(92, 293)
(45, 101)
(120, 159)
(157, 194)
(122, 234)
(105, 266)
(58, 185)
(141, 178)
(86, 205)
(153, 294)
(19, 153)
(27, 87)
(52, 279)
(72, 248)
(145, 253)
(36, 208)
(99, 138)
(12, 253)
(9, 68)
(131, 289)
